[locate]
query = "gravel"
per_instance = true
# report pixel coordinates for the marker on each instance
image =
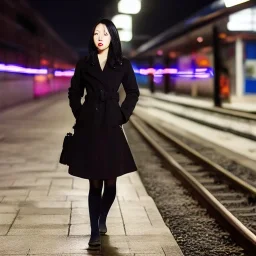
(195, 231)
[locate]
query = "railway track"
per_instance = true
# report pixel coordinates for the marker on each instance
(228, 199)
(236, 122)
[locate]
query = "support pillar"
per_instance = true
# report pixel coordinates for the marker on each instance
(239, 68)
(217, 67)
(166, 76)
(151, 76)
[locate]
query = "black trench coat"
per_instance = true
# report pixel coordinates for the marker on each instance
(100, 149)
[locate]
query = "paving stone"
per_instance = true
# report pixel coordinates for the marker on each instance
(136, 220)
(77, 198)
(4, 229)
(42, 211)
(42, 181)
(70, 254)
(52, 204)
(144, 201)
(15, 254)
(54, 191)
(15, 192)
(84, 219)
(25, 182)
(62, 183)
(46, 198)
(6, 183)
(81, 211)
(43, 229)
(84, 229)
(80, 219)
(41, 219)
(7, 218)
(81, 184)
(145, 229)
(60, 245)
(116, 251)
(140, 192)
(150, 248)
(39, 192)
(8, 209)
(149, 254)
(172, 250)
(80, 204)
(14, 198)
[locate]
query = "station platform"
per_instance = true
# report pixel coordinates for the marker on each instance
(244, 104)
(44, 210)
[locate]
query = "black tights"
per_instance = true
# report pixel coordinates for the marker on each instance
(100, 206)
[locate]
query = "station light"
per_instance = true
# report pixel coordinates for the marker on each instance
(123, 23)
(244, 20)
(200, 39)
(129, 6)
(222, 35)
(230, 3)
(67, 73)
(173, 55)
(174, 72)
(241, 27)
(125, 35)
(159, 52)
(23, 70)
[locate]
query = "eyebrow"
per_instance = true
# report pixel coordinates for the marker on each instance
(99, 31)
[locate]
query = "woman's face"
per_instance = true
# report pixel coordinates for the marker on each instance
(101, 37)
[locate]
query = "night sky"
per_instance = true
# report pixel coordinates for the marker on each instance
(74, 19)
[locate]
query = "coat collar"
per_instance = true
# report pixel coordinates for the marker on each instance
(94, 61)
(95, 70)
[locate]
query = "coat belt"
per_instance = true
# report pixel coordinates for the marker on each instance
(108, 95)
(103, 96)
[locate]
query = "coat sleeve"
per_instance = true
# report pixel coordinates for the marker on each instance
(132, 91)
(76, 90)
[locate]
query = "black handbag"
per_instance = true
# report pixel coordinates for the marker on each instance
(66, 149)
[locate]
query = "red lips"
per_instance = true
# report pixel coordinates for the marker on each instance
(100, 44)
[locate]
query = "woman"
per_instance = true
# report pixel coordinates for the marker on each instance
(100, 150)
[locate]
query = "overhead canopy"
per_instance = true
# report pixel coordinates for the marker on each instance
(185, 32)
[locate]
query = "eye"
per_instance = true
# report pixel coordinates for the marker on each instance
(106, 34)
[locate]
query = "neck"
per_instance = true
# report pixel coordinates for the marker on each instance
(104, 53)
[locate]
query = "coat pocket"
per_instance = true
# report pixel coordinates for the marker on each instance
(82, 114)
(121, 116)
(117, 116)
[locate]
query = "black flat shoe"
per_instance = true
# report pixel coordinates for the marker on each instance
(94, 241)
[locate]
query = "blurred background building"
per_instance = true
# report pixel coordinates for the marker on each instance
(210, 53)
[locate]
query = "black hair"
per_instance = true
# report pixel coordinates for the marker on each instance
(115, 55)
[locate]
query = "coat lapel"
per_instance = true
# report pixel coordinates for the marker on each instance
(95, 70)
